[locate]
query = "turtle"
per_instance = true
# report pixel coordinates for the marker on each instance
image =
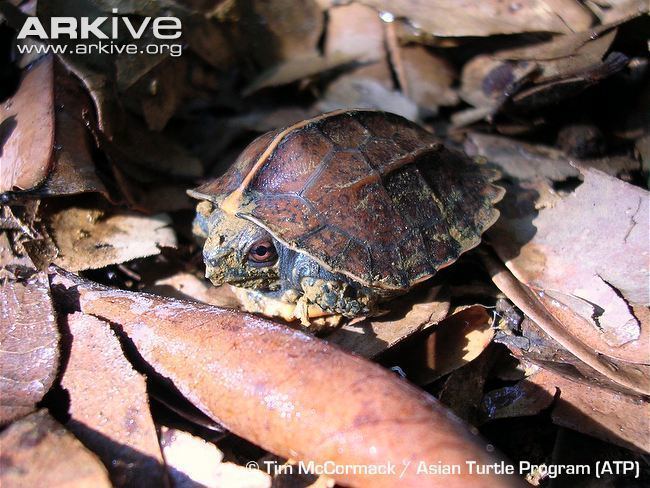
(337, 214)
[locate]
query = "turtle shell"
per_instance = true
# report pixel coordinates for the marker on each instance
(367, 194)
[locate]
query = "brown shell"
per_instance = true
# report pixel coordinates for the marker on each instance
(367, 194)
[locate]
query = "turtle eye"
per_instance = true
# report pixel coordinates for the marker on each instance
(262, 253)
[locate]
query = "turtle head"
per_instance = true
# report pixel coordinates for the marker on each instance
(237, 251)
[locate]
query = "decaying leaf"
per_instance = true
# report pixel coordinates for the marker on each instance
(247, 380)
(38, 451)
(109, 411)
(90, 239)
(372, 336)
(27, 128)
(193, 462)
(29, 338)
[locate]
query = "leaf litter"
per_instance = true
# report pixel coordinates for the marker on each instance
(544, 329)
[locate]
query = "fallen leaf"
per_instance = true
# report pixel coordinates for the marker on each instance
(527, 161)
(611, 416)
(250, 376)
(594, 276)
(38, 451)
(29, 356)
(424, 77)
(488, 17)
(295, 69)
(632, 376)
(27, 122)
(193, 462)
(522, 399)
(188, 286)
(370, 337)
(355, 31)
(90, 239)
(453, 342)
(355, 92)
(109, 410)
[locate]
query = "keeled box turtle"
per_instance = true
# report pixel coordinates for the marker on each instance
(336, 214)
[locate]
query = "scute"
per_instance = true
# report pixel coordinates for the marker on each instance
(368, 194)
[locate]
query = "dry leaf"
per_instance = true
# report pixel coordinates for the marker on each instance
(38, 451)
(527, 161)
(355, 31)
(196, 463)
(487, 17)
(89, 239)
(109, 409)
(187, 286)
(611, 416)
(250, 375)
(349, 92)
(29, 338)
(370, 337)
(445, 347)
(27, 122)
(424, 77)
(296, 69)
(588, 253)
(629, 375)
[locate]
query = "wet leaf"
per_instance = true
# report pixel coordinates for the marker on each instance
(27, 130)
(247, 380)
(29, 355)
(38, 451)
(109, 410)
(91, 239)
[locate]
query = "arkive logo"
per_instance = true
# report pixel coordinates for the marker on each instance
(163, 28)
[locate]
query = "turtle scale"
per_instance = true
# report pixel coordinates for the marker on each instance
(367, 194)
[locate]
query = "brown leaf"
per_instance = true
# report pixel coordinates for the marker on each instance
(613, 417)
(445, 347)
(629, 375)
(527, 161)
(29, 356)
(187, 286)
(273, 386)
(355, 31)
(28, 130)
(195, 462)
(594, 273)
(89, 239)
(424, 77)
(38, 451)
(296, 69)
(488, 17)
(349, 92)
(109, 410)
(370, 337)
